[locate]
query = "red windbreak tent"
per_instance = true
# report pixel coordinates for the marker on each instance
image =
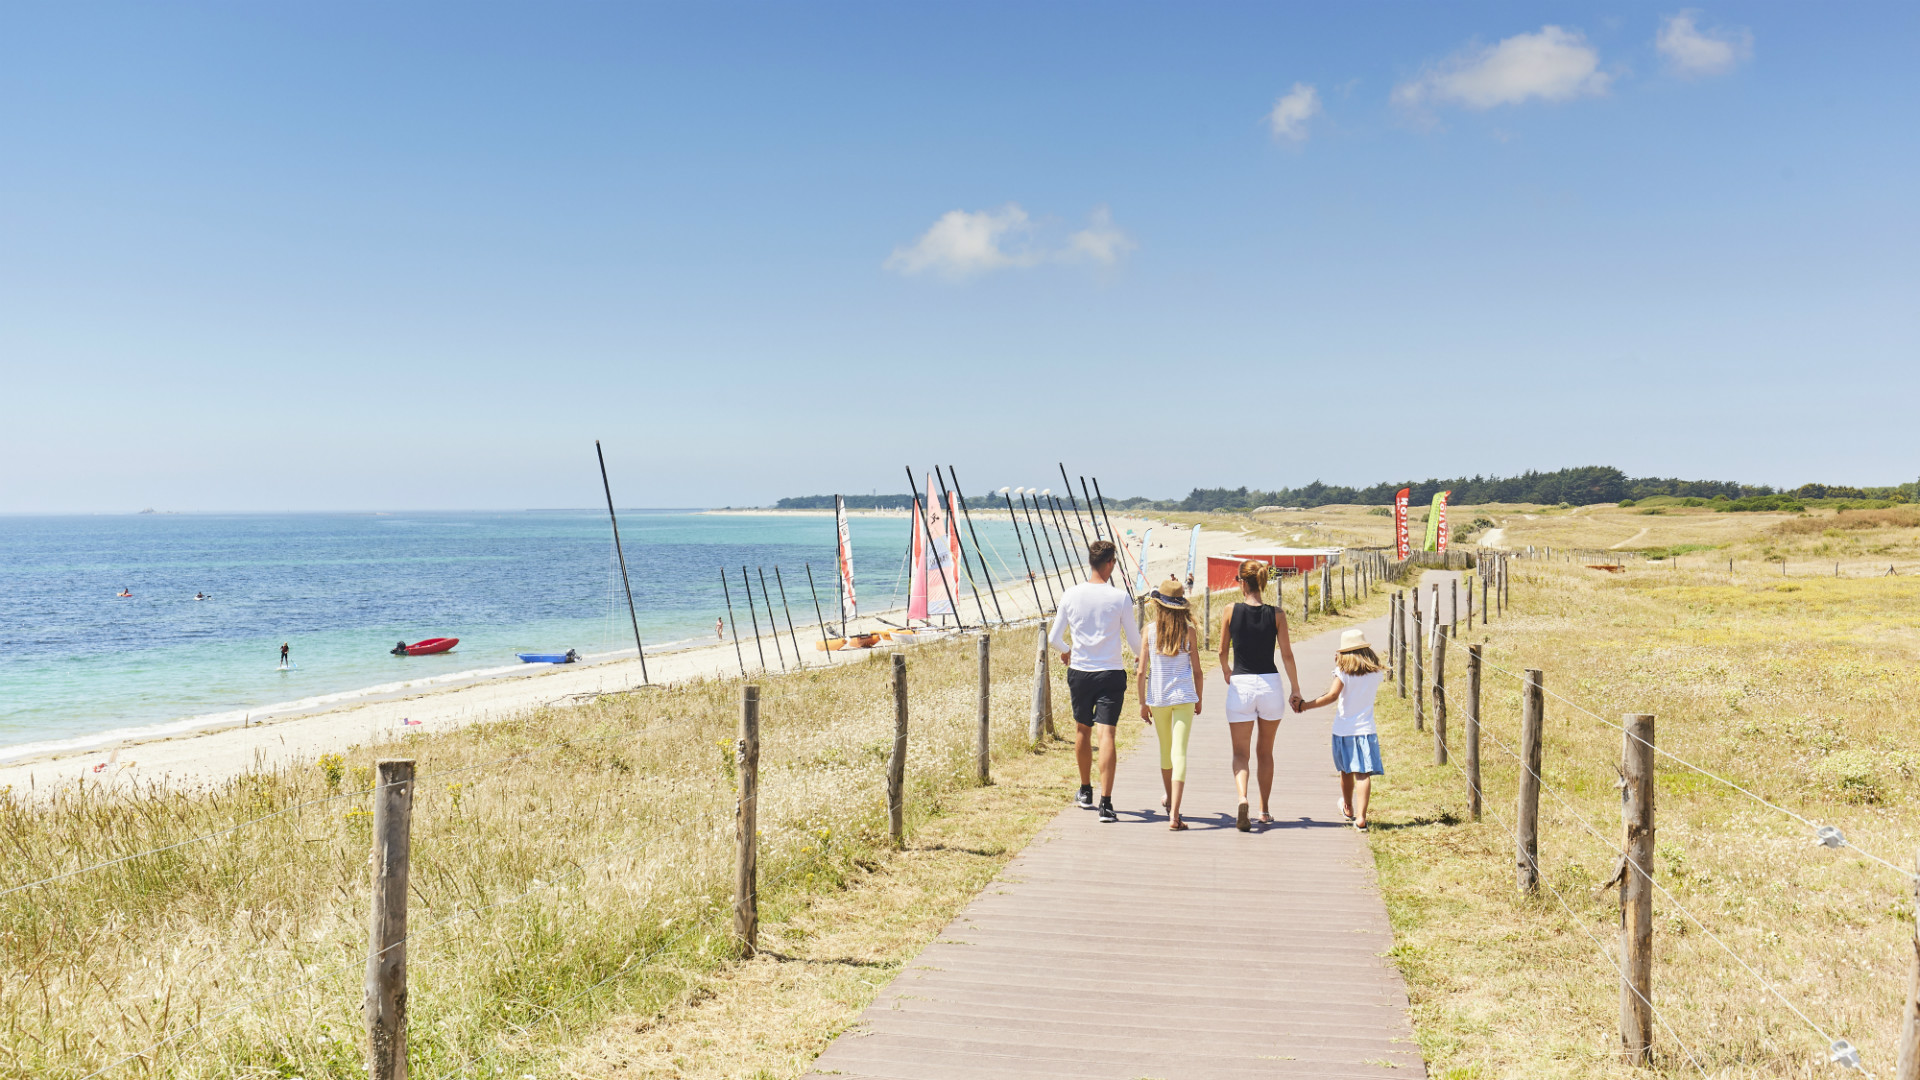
(1224, 570)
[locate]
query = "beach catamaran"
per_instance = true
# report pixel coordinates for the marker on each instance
(935, 557)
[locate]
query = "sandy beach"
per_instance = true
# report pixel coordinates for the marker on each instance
(270, 739)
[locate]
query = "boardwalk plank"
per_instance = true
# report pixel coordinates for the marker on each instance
(1116, 952)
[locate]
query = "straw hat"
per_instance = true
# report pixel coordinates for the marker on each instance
(1354, 639)
(1171, 594)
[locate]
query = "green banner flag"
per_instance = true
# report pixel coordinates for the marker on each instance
(1436, 515)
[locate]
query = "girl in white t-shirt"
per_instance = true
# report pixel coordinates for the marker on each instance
(1356, 747)
(1169, 693)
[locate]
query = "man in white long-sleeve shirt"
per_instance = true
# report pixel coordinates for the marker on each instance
(1093, 619)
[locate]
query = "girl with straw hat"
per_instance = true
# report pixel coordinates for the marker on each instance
(1169, 693)
(1250, 635)
(1356, 747)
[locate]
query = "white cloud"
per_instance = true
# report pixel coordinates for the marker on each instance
(1100, 241)
(967, 242)
(1291, 113)
(1692, 51)
(1552, 65)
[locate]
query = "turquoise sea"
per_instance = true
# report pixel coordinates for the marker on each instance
(80, 665)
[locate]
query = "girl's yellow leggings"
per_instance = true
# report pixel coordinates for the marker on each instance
(1173, 723)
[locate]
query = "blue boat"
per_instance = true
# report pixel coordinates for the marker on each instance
(567, 657)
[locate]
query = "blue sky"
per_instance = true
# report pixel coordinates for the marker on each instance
(415, 256)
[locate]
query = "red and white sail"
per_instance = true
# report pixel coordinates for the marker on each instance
(849, 604)
(934, 576)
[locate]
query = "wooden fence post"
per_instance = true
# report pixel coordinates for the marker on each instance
(1532, 709)
(1453, 608)
(1909, 1063)
(1440, 634)
(386, 1007)
(1400, 623)
(1469, 606)
(746, 825)
(1636, 890)
(1042, 719)
(1483, 602)
(986, 725)
(1473, 730)
(1419, 668)
(897, 762)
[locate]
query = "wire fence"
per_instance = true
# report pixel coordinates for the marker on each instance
(1838, 1051)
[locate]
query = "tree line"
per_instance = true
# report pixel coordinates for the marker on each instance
(1576, 486)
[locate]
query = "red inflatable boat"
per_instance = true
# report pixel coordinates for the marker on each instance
(426, 648)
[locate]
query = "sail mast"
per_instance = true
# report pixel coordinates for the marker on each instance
(624, 580)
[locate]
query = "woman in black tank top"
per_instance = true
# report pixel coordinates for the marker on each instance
(1250, 634)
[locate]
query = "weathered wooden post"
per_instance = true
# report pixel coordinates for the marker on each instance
(1469, 606)
(1440, 634)
(1453, 609)
(1400, 622)
(1909, 1062)
(1419, 668)
(897, 762)
(386, 1006)
(986, 725)
(746, 825)
(1042, 720)
(1532, 715)
(1483, 602)
(1473, 730)
(1636, 890)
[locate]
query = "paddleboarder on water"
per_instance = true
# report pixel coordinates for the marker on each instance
(284, 650)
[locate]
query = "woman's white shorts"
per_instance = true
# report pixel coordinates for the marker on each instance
(1251, 697)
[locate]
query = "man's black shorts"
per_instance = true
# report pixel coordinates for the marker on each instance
(1096, 695)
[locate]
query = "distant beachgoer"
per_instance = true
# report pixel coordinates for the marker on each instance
(124, 591)
(199, 596)
(1095, 618)
(285, 649)
(1169, 692)
(1256, 696)
(1356, 746)
(720, 629)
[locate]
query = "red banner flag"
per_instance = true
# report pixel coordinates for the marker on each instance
(1402, 542)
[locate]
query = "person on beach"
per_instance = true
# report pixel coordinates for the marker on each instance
(1357, 672)
(1169, 694)
(1256, 698)
(1093, 619)
(720, 629)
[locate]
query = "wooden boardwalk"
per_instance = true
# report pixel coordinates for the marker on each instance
(1126, 951)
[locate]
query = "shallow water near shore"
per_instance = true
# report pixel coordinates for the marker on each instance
(80, 665)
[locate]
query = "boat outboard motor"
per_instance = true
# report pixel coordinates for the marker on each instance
(400, 649)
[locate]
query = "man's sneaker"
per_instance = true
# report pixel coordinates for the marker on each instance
(1084, 800)
(1106, 811)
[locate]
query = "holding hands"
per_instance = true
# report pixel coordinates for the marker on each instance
(1299, 703)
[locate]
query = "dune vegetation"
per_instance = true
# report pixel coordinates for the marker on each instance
(569, 867)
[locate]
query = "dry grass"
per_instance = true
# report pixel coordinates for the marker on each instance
(586, 880)
(1802, 690)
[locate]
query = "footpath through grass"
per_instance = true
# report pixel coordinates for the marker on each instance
(1803, 691)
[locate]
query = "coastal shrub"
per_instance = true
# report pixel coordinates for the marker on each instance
(1765, 503)
(1850, 520)
(1627, 502)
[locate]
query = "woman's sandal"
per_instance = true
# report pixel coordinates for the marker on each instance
(1241, 821)
(1346, 813)
(1266, 818)
(1361, 825)
(1176, 825)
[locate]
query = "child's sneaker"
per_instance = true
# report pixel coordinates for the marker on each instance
(1084, 800)
(1107, 816)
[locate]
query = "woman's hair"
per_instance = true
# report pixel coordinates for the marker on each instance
(1358, 662)
(1172, 631)
(1254, 575)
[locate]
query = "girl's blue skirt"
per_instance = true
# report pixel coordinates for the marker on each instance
(1358, 754)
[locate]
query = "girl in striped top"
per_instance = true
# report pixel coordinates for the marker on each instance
(1169, 693)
